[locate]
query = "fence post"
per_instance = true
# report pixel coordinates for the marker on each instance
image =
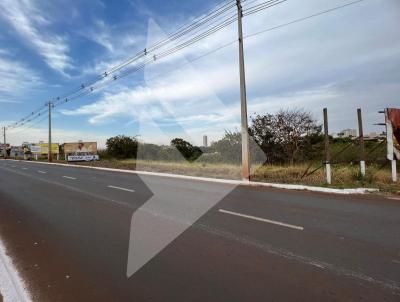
(394, 170)
(327, 151)
(361, 138)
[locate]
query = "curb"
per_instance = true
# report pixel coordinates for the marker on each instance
(12, 285)
(221, 181)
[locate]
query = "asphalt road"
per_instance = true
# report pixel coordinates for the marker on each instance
(69, 229)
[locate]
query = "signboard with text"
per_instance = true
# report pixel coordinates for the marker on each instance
(43, 148)
(82, 157)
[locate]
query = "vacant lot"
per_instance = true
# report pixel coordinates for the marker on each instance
(344, 176)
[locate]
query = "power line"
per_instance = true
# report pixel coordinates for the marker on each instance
(262, 6)
(263, 31)
(19, 122)
(304, 18)
(157, 57)
(212, 15)
(164, 54)
(85, 90)
(220, 9)
(169, 72)
(30, 126)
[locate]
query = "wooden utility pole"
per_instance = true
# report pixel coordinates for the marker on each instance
(243, 100)
(361, 138)
(49, 147)
(327, 151)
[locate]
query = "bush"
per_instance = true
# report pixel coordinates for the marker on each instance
(122, 146)
(188, 151)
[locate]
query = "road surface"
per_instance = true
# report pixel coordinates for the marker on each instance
(68, 231)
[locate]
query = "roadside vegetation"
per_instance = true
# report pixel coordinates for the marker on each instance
(286, 147)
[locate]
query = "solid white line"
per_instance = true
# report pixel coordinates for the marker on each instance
(68, 177)
(263, 220)
(217, 180)
(123, 189)
(42, 172)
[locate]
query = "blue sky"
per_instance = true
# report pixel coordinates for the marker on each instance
(343, 60)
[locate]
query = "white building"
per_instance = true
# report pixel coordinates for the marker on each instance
(205, 141)
(348, 133)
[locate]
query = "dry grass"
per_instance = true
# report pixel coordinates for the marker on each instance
(343, 176)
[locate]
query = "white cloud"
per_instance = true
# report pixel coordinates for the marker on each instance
(119, 45)
(29, 22)
(16, 78)
(341, 61)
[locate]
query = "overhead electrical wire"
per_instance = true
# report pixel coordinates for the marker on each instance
(220, 9)
(215, 16)
(226, 22)
(235, 41)
(304, 18)
(262, 6)
(30, 126)
(168, 52)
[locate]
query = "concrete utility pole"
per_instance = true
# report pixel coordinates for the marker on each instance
(327, 151)
(243, 100)
(362, 148)
(49, 147)
(5, 143)
(390, 146)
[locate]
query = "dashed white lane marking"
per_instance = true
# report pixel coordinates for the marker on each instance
(42, 172)
(69, 177)
(24, 168)
(263, 220)
(123, 189)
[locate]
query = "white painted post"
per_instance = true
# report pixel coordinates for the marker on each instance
(327, 151)
(362, 168)
(394, 170)
(361, 138)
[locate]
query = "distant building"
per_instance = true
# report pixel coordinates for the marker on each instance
(2, 147)
(17, 152)
(205, 141)
(348, 133)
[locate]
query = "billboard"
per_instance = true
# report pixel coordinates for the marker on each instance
(82, 157)
(43, 148)
(81, 147)
(393, 132)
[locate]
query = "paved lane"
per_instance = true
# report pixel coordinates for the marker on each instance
(344, 249)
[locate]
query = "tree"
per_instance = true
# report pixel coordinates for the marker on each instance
(263, 131)
(230, 147)
(284, 135)
(188, 151)
(122, 146)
